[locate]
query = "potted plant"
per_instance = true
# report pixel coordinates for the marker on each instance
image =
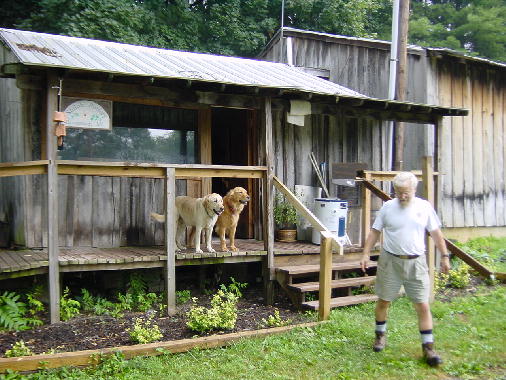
(285, 217)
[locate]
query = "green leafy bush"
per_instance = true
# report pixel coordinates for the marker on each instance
(222, 314)
(13, 313)
(144, 331)
(69, 307)
(234, 287)
(18, 349)
(456, 278)
(182, 296)
(275, 320)
(35, 306)
(137, 297)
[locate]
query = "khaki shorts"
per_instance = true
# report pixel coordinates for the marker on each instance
(394, 272)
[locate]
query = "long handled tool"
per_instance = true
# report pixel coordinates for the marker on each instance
(319, 174)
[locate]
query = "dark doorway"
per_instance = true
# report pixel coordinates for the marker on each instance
(231, 138)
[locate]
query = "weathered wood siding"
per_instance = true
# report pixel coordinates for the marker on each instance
(472, 149)
(364, 67)
(97, 211)
(332, 139)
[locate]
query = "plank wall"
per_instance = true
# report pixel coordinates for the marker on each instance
(332, 139)
(472, 149)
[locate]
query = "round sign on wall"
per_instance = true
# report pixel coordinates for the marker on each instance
(88, 114)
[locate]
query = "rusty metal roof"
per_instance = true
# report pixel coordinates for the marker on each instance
(48, 50)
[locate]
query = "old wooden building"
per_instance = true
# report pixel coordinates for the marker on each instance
(469, 151)
(147, 124)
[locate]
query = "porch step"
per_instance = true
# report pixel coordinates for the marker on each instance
(308, 269)
(335, 284)
(342, 301)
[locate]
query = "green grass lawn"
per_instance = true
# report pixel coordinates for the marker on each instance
(470, 335)
(490, 251)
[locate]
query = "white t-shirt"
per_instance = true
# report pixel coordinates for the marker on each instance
(404, 227)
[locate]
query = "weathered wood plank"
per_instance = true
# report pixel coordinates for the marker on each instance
(325, 275)
(457, 174)
(499, 152)
(467, 148)
(445, 150)
(488, 152)
(477, 173)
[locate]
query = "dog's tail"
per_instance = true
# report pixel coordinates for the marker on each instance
(158, 217)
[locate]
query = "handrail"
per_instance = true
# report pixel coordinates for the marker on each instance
(469, 260)
(299, 206)
(131, 169)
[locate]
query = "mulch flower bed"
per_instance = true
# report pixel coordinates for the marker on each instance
(91, 332)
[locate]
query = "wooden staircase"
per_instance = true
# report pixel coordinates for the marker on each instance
(299, 280)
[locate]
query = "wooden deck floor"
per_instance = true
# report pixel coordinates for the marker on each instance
(19, 263)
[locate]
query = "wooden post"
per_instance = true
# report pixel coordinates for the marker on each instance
(325, 275)
(366, 209)
(170, 236)
(428, 191)
(268, 198)
(52, 204)
(204, 130)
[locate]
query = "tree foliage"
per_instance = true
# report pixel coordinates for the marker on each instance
(477, 27)
(243, 27)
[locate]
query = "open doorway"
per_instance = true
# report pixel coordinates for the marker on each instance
(232, 144)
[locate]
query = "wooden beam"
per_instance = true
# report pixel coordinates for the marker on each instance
(170, 239)
(52, 195)
(228, 100)
(366, 209)
(124, 169)
(428, 192)
(267, 140)
(325, 275)
(23, 168)
(205, 145)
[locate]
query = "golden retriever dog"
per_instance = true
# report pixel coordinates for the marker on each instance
(234, 203)
(201, 213)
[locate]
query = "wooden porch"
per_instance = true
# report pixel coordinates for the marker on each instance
(29, 262)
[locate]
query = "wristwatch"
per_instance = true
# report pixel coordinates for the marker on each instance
(445, 255)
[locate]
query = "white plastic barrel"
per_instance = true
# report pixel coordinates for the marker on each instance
(333, 214)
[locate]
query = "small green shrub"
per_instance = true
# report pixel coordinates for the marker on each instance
(456, 278)
(35, 306)
(234, 287)
(69, 307)
(144, 331)
(182, 296)
(275, 320)
(140, 300)
(13, 313)
(18, 349)
(222, 314)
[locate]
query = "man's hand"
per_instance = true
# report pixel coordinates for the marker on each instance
(364, 262)
(445, 264)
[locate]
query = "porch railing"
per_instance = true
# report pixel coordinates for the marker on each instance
(167, 172)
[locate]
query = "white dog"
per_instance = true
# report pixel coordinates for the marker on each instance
(201, 213)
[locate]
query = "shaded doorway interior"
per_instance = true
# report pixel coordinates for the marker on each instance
(231, 139)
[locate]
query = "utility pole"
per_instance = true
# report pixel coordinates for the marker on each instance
(402, 74)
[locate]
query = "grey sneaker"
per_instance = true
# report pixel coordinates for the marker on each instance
(430, 355)
(380, 341)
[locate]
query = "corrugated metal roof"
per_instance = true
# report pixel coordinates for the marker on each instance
(40, 49)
